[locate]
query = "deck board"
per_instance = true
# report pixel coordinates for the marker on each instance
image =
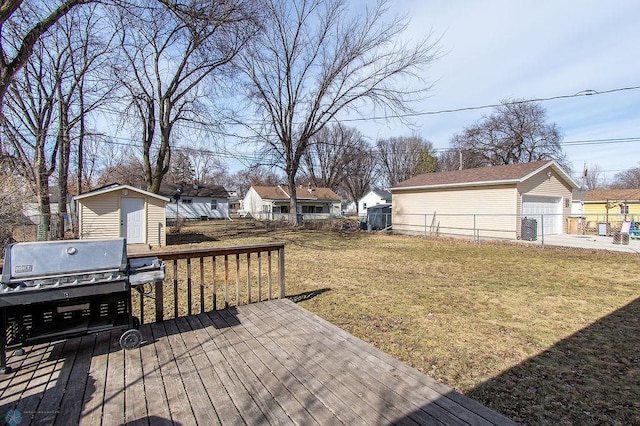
(266, 363)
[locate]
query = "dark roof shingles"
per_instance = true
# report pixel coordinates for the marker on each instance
(485, 174)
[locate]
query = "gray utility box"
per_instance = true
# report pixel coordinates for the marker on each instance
(529, 229)
(603, 229)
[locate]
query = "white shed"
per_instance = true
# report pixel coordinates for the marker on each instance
(122, 211)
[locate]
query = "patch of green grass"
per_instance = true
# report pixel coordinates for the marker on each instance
(542, 335)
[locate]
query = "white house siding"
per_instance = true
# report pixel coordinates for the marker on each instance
(490, 211)
(553, 189)
(371, 199)
(199, 207)
(253, 203)
(99, 216)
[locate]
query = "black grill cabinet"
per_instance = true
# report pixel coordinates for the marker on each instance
(55, 290)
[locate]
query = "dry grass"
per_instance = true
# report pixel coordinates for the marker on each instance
(545, 336)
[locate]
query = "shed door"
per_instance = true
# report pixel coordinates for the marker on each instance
(133, 220)
(546, 210)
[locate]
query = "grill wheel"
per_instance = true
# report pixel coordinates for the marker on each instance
(130, 339)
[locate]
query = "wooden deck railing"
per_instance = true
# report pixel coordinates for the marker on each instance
(202, 280)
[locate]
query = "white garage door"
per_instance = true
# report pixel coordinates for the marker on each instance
(546, 210)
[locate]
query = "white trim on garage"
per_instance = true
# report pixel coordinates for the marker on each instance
(547, 211)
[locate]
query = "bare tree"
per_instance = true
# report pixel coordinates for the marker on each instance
(361, 172)
(126, 172)
(80, 48)
(404, 157)
(450, 159)
(29, 125)
(629, 178)
(253, 176)
(315, 59)
(331, 150)
(11, 206)
(181, 169)
(516, 132)
(165, 57)
(207, 167)
(27, 23)
(592, 177)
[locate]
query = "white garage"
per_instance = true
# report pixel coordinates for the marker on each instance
(488, 202)
(547, 211)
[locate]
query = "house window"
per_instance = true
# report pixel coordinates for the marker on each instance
(312, 209)
(624, 209)
(364, 206)
(214, 204)
(187, 201)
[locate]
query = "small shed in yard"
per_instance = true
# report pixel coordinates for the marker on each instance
(488, 202)
(379, 216)
(122, 211)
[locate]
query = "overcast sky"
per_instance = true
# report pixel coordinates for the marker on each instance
(505, 49)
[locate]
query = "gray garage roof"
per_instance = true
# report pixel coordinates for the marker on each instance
(512, 173)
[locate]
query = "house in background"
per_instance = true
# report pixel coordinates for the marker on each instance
(122, 211)
(193, 201)
(610, 206)
(373, 198)
(272, 202)
(488, 202)
(235, 202)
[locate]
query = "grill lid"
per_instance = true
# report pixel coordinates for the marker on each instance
(46, 258)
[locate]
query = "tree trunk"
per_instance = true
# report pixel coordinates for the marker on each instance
(293, 200)
(64, 146)
(44, 200)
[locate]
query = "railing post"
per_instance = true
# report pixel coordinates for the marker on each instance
(175, 288)
(189, 294)
(159, 301)
(215, 286)
(248, 278)
(202, 285)
(281, 271)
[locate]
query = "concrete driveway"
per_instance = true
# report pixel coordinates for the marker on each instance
(589, 242)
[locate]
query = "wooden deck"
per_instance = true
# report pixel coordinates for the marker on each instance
(264, 363)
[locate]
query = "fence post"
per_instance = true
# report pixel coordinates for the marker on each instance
(425, 225)
(475, 231)
(281, 270)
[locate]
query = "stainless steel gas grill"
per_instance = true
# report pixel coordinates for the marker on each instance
(60, 289)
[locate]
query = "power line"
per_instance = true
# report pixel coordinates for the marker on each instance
(246, 123)
(588, 92)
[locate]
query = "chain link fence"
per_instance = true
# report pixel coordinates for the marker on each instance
(471, 226)
(40, 227)
(509, 227)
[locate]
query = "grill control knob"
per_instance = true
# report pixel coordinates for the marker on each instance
(72, 250)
